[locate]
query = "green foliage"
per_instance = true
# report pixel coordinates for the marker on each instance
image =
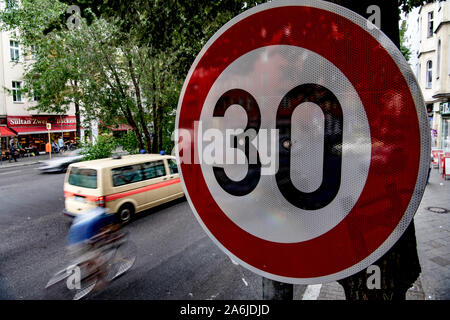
(129, 142)
(407, 5)
(126, 62)
(102, 148)
(404, 49)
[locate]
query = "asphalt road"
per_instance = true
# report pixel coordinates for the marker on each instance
(176, 259)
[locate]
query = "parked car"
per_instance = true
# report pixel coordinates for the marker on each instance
(123, 185)
(60, 163)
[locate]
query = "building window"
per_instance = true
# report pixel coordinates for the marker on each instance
(429, 73)
(17, 96)
(14, 50)
(438, 58)
(419, 21)
(418, 72)
(430, 24)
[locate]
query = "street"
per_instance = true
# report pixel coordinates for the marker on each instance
(312, 150)
(176, 259)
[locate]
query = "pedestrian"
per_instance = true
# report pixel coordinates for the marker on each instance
(61, 143)
(13, 149)
(55, 147)
(20, 150)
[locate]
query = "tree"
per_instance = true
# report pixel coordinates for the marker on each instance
(400, 265)
(127, 60)
(403, 46)
(89, 66)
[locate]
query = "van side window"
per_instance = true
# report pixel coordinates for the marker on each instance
(126, 175)
(153, 169)
(173, 166)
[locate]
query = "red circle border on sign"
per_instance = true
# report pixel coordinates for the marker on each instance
(394, 129)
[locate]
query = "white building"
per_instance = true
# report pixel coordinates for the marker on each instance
(15, 116)
(429, 33)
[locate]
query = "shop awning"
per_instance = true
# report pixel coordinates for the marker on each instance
(6, 132)
(38, 124)
(42, 129)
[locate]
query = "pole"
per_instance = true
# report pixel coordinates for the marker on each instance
(1, 154)
(62, 134)
(274, 290)
(50, 145)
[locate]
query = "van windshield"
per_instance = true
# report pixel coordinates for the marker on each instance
(85, 178)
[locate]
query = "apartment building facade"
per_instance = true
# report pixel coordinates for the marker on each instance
(433, 68)
(16, 118)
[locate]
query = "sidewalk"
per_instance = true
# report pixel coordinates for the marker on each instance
(433, 247)
(433, 238)
(26, 161)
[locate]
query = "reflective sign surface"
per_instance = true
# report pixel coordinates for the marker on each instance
(303, 141)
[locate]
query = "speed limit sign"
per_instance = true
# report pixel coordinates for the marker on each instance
(302, 141)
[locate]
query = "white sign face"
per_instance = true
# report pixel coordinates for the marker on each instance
(303, 141)
(49, 126)
(273, 81)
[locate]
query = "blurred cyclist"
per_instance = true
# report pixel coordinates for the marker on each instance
(89, 234)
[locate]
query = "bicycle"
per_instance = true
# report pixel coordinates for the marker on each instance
(108, 256)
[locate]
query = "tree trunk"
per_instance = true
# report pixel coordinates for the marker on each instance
(389, 10)
(78, 122)
(139, 105)
(400, 265)
(139, 139)
(136, 130)
(160, 133)
(155, 113)
(77, 115)
(155, 129)
(274, 290)
(399, 268)
(130, 120)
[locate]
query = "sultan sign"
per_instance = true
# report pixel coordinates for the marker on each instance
(30, 121)
(303, 141)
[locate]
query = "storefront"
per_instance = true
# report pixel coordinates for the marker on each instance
(32, 130)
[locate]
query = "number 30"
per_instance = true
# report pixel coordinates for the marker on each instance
(332, 155)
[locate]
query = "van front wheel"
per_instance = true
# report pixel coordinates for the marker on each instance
(125, 213)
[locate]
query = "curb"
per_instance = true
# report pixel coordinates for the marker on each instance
(18, 165)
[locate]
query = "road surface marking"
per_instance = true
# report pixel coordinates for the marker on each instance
(312, 292)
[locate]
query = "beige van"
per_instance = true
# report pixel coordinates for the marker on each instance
(124, 185)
